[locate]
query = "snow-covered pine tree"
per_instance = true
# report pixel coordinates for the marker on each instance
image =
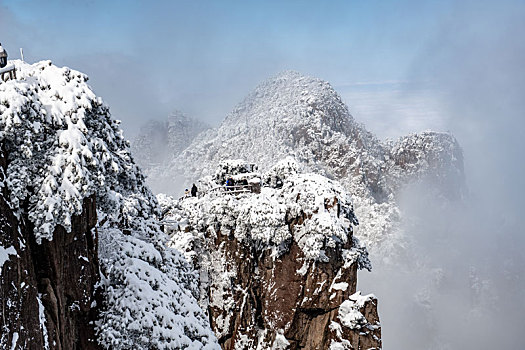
(62, 146)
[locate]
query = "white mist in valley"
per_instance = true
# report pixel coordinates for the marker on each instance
(461, 286)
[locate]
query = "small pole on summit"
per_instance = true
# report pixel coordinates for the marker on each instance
(22, 54)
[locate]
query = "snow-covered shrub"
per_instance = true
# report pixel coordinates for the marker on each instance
(62, 146)
(152, 293)
(280, 171)
(349, 312)
(229, 168)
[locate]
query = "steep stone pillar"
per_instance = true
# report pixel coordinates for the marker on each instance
(47, 291)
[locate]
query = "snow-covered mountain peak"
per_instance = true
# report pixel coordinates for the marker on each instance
(287, 115)
(290, 99)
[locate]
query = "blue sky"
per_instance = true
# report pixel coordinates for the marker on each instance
(373, 38)
(204, 56)
(401, 66)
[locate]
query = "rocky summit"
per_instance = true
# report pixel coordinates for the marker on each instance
(277, 258)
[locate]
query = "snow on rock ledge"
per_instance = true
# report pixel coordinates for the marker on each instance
(357, 313)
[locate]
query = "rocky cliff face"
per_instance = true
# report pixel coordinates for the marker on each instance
(285, 303)
(48, 290)
(278, 268)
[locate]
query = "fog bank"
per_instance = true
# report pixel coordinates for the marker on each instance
(462, 283)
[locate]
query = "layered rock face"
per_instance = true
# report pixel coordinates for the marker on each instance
(285, 303)
(48, 290)
(277, 266)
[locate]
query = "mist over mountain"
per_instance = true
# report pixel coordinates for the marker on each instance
(385, 158)
(410, 195)
(76, 207)
(303, 117)
(159, 141)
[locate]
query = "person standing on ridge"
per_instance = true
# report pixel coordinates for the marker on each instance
(194, 191)
(229, 184)
(3, 57)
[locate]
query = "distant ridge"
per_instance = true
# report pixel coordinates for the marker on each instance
(159, 141)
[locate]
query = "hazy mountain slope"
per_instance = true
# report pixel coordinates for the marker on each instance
(159, 141)
(286, 115)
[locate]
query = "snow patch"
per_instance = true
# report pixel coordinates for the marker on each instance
(15, 340)
(42, 319)
(280, 342)
(340, 286)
